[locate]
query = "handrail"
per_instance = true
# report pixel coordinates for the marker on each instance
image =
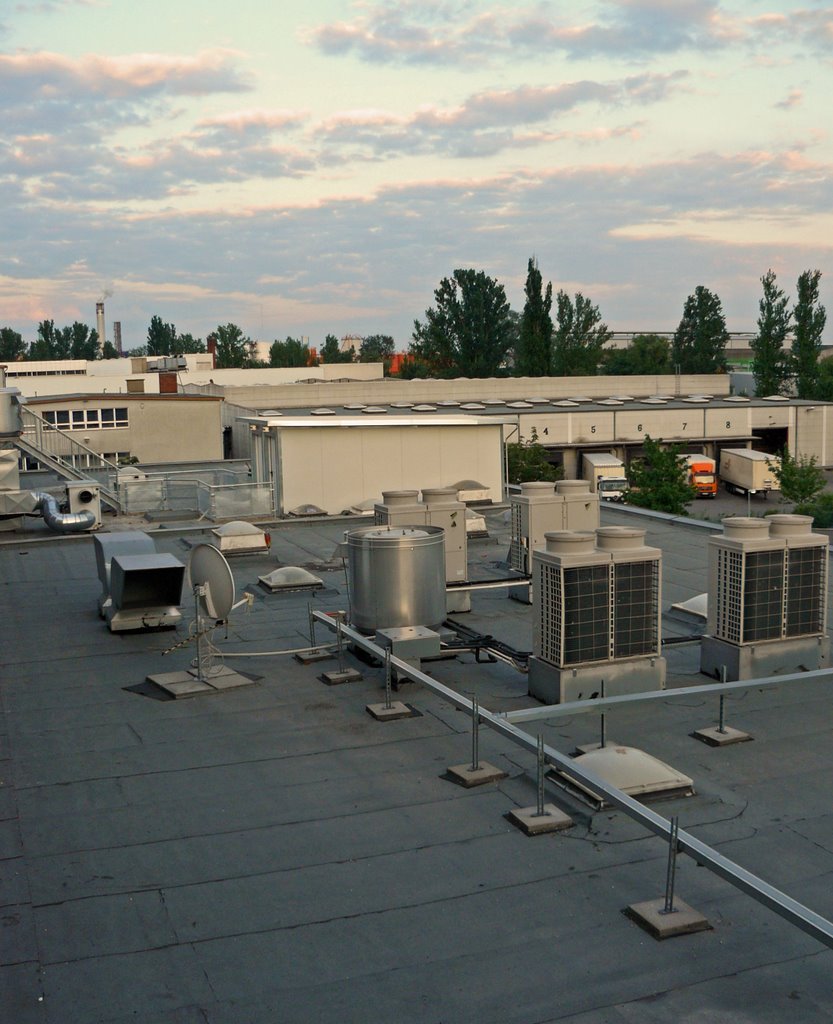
(35, 423)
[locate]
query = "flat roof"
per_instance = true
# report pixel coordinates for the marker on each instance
(274, 854)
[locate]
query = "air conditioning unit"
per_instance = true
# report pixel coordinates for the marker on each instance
(767, 598)
(85, 496)
(440, 507)
(596, 616)
(542, 508)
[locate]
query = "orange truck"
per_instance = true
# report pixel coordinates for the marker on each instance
(702, 475)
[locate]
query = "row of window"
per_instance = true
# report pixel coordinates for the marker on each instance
(86, 419)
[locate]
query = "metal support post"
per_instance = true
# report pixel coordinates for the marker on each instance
(340, 642)
(671, 872)
(475, 738)
(388, 677)
(539, 813)
(311, 626)
(721, 726)
(603, 717)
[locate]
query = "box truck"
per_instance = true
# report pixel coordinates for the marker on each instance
(744, 471)
(606, 475)
(702, 475)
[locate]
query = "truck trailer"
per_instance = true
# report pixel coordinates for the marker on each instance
(744, 471)
(606, 474)
(702, 475)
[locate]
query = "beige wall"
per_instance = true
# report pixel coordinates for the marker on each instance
(159, 429)
(337, 468)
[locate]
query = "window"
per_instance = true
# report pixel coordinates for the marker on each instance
(87, 419)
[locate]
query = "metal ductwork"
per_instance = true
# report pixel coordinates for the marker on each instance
(69, 522)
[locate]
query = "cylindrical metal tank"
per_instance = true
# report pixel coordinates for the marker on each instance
(396, 576)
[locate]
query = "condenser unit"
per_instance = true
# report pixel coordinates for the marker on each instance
(542, 508)
(441, 507)
(596, 616)
(85, 496)
(767, 598)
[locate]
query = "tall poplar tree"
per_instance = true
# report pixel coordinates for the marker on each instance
(699, 344)
(809, 318)
(579, 338)
(770, 364)
(534, 355)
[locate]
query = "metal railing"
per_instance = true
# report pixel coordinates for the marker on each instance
(59, 451)
(164, 492)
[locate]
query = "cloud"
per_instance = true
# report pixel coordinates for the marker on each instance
(792, 99)
(640, 237)
(50, 92)
(408, 32)
(487, 122)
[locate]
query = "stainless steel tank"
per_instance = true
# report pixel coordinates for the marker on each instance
(396, 576)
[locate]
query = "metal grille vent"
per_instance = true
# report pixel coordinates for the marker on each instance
(729, 590)
(518, 556)
(599, 612)
(770, 595)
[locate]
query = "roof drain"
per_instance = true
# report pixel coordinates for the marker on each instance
(70, 522)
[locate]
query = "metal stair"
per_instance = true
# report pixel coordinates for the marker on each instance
(55, 449)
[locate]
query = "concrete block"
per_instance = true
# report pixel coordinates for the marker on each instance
(396, 711)
(347, 675)
(715, 738)
(683, 920)
(529, 821)
(484, 773)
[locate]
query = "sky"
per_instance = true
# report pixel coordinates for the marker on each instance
(309, 168)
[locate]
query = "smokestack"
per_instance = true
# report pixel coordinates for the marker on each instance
(117, 336)
(99, 323)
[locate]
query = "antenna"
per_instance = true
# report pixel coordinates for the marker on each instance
(212, 584)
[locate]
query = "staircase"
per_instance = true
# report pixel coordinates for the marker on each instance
(57, 449)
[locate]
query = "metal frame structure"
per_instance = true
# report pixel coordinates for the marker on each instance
(761, 891)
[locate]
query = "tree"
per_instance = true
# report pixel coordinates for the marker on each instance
(580, 337)
(234, 349)
(469, 331)
(291, 352)
(12, 345)
(646, 354)
(377, 348)
(700, 339)
(769, 362)
(81, 341)
(109, 351)
(331, 351)
(48, 343)
(799, 479)
(809, 318)
(659, 479)
(161, 337)
(185, 343)
(527, 460)
(534, 354)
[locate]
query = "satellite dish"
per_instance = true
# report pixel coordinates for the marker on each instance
(209, 570)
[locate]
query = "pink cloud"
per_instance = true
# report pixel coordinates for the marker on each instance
(51, 75)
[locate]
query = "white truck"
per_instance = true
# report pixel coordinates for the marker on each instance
(744, 471)
(606, 475)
